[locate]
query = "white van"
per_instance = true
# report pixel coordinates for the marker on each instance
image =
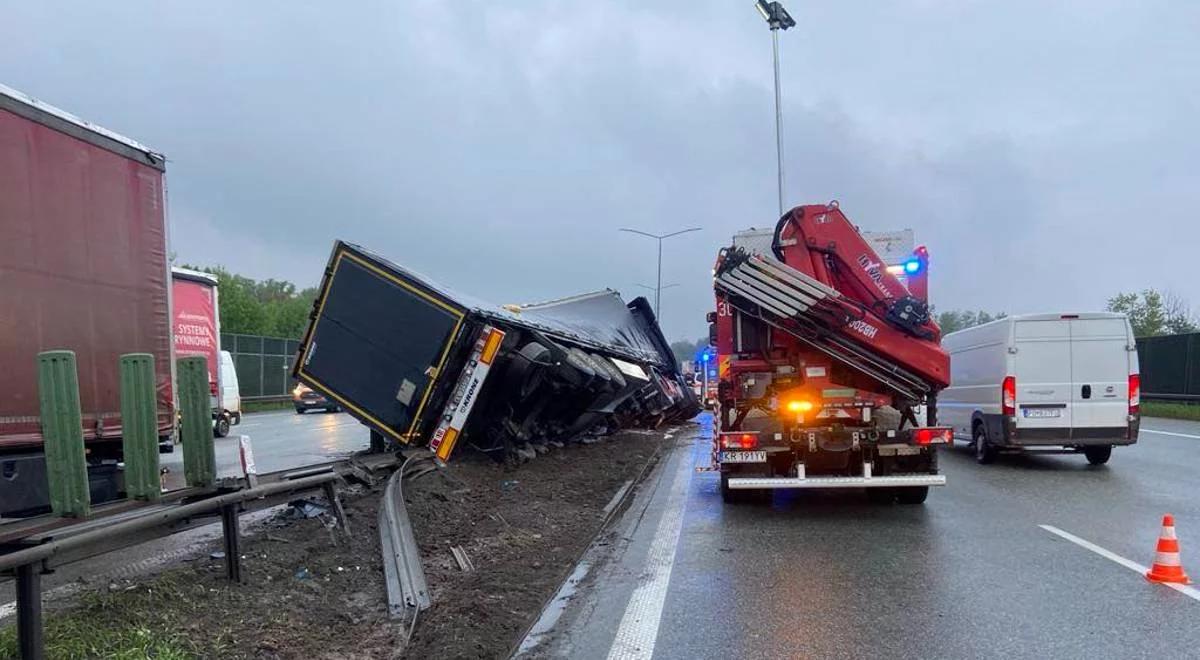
(227, 406)
(1051, 381)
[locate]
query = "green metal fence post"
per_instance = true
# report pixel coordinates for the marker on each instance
(139, 426)
(196, 433)
(62, 432)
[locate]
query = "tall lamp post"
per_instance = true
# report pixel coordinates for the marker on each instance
(659, 237)
(778, 19)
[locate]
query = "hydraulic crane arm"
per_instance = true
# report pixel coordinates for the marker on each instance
(828, 288)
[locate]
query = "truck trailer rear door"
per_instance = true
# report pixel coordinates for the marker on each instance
(379, 341)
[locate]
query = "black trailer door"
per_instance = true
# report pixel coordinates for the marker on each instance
(378, 342)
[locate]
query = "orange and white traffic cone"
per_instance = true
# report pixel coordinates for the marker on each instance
(1166, 566)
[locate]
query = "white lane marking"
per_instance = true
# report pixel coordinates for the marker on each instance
(1131, 565)
(1179, 435)
(639, 625)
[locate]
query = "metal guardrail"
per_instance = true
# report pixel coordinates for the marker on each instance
(1171, 397)
(268, 398)
(75, 530)
(407, 590)
(55, 541)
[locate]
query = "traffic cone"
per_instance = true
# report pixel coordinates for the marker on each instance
(1166, 566)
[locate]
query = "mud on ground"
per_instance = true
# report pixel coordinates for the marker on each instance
(310, 592)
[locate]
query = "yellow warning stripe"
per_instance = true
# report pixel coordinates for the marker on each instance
(406, 437)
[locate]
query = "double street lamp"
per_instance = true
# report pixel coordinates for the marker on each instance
(659, 237)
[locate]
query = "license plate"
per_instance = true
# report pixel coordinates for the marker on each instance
(1042, 413)
(743, 457)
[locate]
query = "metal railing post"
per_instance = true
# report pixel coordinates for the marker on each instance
(30, 638)
(139, 426)
(62, 434)
(196, 433)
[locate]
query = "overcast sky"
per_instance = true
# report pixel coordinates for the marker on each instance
(1046, 152)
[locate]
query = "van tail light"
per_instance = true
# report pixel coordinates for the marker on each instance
(932, 435)
(1135, 393)
(1008, 396)
(738, 440)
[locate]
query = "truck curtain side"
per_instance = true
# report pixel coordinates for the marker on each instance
(423, 365)
(83, 267)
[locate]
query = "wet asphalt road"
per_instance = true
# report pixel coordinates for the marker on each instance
(969, 574)
(280, 440)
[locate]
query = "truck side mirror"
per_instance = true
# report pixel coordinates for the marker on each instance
(711, 317)
(712, 334)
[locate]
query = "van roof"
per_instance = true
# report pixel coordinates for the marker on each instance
(1047, 316)
(1054, 316)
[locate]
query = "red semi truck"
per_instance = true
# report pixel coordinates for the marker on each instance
(83, 267)
(196, 328)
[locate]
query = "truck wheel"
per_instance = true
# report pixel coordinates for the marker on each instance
(881, 495)
(984, 451)
(730, 495)
(221, 428)
(915, 495)
(1098, 455)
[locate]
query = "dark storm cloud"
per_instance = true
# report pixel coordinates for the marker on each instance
(497, 146)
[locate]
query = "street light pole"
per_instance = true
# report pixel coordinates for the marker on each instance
(778, 118)
(659, 237)
(778, 19)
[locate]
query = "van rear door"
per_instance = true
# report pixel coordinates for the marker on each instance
(1100, 374)
(1042, 367)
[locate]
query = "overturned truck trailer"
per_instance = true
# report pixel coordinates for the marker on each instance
(429, 367)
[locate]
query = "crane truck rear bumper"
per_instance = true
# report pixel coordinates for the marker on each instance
(892, 481)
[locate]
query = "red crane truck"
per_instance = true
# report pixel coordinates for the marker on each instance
(83, 267)
(825, 360)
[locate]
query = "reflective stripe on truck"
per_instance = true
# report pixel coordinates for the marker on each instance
(466, 392)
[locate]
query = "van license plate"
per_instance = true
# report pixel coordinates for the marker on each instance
(743, 457)
(1041, 413)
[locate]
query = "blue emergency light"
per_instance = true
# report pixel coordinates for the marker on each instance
(912, 266)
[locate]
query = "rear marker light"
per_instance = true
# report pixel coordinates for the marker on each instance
(1008, 396)
(1135, 393)
(932, 436)
(739, 441)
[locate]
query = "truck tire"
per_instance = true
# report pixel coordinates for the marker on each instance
(221, 427)
(1098, 455)
(728, 495)
(985, 452)
(881, 495)
(740, 496)
(914, 495)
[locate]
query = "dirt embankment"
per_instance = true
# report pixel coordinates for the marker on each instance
(310, 592)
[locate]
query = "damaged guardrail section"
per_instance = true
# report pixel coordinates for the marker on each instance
(429, 367)
(407, 592)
